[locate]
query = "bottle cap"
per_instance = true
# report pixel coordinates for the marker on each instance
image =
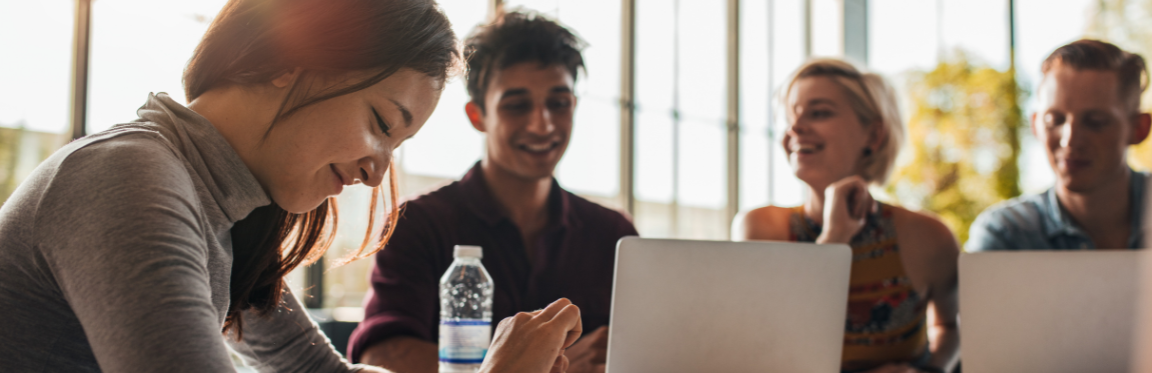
(466, 251)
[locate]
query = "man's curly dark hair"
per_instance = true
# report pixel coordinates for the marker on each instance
(514, 38)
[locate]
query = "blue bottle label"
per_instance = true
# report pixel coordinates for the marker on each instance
(464, 341)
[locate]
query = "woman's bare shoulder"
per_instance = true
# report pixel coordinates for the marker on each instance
(764, 223)
(927, 228)
(925, 237)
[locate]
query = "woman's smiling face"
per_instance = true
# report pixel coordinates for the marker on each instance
(825, 139)
(313, 153)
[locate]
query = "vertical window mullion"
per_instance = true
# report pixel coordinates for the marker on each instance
(80, 56)
(628, 105)
(733, 113)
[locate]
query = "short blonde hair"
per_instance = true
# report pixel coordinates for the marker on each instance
(873, 101)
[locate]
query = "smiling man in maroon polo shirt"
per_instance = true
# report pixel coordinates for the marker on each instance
(540, 242)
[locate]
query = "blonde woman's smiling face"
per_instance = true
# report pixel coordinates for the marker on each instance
(825, 139)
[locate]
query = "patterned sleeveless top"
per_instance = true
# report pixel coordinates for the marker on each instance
(886, 316)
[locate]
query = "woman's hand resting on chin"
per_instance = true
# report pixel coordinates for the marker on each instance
(847, 204)
(534, 342)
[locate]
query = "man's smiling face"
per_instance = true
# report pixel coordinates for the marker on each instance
(527, 117)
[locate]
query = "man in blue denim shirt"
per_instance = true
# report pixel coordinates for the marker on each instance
(1088, 113)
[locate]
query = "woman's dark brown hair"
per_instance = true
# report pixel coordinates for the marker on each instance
(253, 41)
(514, 38)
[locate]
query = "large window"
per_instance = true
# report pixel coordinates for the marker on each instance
(827, 31)
(35, 89)
(141, 46)
(772, 46)
(655, 136)
(902, 36)
(680, 119)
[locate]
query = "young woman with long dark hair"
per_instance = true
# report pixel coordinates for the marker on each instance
(153, 245)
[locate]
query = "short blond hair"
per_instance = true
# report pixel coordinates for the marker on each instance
(873, 101)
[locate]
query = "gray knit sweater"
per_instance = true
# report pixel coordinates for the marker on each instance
(115, 256)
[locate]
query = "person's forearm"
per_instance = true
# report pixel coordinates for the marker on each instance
(945, 347)
(402, 355)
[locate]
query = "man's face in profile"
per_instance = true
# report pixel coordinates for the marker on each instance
(1085, 126)
(527, 117)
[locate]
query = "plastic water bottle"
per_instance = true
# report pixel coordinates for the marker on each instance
(465, 312)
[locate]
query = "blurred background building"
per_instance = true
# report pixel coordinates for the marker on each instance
(676, 123)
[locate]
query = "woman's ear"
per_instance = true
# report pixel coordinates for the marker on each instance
(877, 136)
(287, 78)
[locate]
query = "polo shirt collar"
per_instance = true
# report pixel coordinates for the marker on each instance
(1059, 223)
(483, 204)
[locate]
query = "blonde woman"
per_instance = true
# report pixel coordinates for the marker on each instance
(844, 132)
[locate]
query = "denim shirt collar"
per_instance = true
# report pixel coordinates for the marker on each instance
(1060, 224)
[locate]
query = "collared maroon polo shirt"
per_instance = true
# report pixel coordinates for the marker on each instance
(574, 258)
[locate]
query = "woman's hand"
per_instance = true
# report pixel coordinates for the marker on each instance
(534, 342)
(846, 205)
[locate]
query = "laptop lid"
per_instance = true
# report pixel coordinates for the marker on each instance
(1048, 311)
(707, 306)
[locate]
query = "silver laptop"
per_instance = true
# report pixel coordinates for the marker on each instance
(1048, 311)
(706, 306)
